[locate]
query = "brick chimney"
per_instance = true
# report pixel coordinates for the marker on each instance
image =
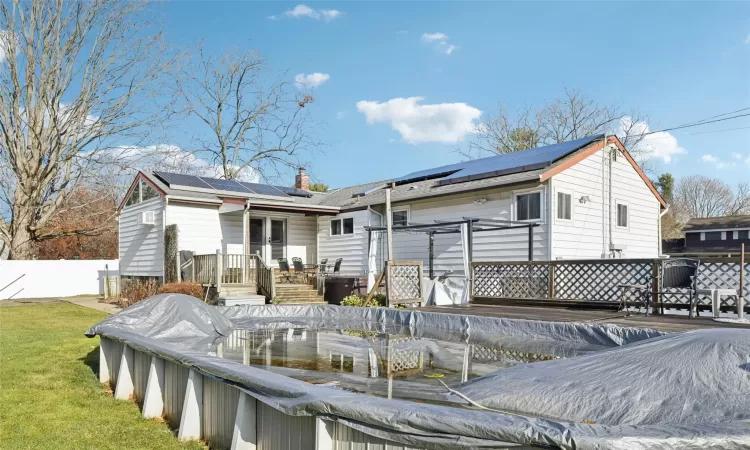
(302, 180)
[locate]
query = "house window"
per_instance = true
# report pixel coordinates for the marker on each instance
(141, 192)
(743, 234)
(529, 206)
(713, 236)
(564, 206)
(622, 215)
(342, 226)
(400, 218)
(135, 197)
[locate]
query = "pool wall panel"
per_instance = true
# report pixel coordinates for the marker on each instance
(142, 363)
(175, 383)
(219, 412)
(346, 438)
(278, 431)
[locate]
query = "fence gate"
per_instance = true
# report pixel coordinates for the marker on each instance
(403, 282)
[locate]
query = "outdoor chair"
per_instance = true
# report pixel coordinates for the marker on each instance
(299, 268)
(337, 266)
(286, 273)
(675, 274)
(322, 266)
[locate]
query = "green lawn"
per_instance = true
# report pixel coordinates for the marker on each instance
(50, 397)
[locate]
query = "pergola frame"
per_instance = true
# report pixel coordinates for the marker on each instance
(474, 225)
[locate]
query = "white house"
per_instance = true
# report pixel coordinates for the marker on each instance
(589, 198)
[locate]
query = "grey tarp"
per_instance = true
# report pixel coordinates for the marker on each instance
(688, 391)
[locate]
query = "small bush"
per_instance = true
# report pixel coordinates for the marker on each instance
(133, 291)
(187, 288)
(378, 299)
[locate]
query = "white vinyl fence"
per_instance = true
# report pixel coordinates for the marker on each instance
(54, 278)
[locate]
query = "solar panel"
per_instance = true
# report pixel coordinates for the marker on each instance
(177, 179)
(371, 188)
(226, 185)
(263, 189)
(497, 165)
(294, 192)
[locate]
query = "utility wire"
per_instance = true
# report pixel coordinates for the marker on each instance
(718, 115)
(718, 131)
(690, 125)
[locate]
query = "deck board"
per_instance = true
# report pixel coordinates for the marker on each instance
(658, 322)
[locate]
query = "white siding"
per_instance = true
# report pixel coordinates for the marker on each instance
(353, 247)
(585, 235)
(141, 247)
(198, 227)
(231, 233)
(500, 245)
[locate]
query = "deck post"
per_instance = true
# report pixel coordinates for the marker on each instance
(124, 388)
(551, 288)
(431, 235)
(531, 242)
(655, 284)
(192, 408)
(153, 402)
(323, 434)
(741, 291)
(245, 435)
(105, 346)
(219, 271)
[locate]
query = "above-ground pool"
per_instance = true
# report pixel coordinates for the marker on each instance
(328, 377)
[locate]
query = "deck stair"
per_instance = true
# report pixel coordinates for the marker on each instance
(297, 293)
(234, 290)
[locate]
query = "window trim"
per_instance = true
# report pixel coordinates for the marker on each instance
(572, 205)
(542, 204)
(341, 227)
(617, 214)
(402, 209)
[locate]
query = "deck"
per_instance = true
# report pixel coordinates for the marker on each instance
(658, 322)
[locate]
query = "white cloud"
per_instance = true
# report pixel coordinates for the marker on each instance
(661, 145)
(271, 17)
(711, 159)
(431, 37)
(304, 11)
(340, 115)
(747, 39)
(440, 41)
(311, 80)
(442, 122)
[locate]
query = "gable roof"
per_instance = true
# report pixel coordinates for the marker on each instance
(526, 166)
(717, 223)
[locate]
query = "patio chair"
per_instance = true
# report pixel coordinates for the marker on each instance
(299, 268)
(286, 273)
(675, 274)
(323, 266)
(337, 266)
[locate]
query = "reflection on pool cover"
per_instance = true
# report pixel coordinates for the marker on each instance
(387, 364)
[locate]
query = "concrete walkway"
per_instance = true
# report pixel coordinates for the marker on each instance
(93, 303)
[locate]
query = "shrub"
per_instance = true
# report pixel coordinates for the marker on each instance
(378, 299)
(187, 288)
(134, 290)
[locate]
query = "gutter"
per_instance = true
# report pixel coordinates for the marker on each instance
(659, 248)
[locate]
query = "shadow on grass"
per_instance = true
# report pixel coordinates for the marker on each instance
(92, 360)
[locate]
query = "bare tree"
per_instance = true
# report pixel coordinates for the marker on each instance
(76, 76)
(254, 124)
(700, 196)
(571, 117)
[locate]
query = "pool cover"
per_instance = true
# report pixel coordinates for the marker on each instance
(647, 390)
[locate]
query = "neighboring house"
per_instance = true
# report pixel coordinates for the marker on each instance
(590, 200)
(711, 236)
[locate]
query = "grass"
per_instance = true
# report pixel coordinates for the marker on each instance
(50, 396)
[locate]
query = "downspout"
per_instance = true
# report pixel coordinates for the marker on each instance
(610, 155)
(605, 208)
(659, 243)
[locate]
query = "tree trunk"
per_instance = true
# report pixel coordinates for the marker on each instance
(21, 241)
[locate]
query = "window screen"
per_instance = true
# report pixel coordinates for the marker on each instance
(564, 206)
(400, 218)
(348, 226)
(528, 206)
(713, 236)
(335, 227)
(622, 215)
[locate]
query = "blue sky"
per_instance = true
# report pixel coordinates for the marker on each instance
(678, 62)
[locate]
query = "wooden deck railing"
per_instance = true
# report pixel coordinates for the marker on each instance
(218, 269)
(598, 281)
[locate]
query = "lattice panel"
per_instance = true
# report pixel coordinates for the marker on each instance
(511, 280)
(714, 274)
(593, 281)
(481, 353)
(404, 282)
